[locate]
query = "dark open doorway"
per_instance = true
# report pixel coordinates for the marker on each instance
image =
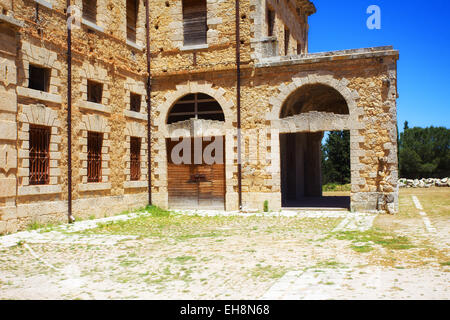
(302, 172)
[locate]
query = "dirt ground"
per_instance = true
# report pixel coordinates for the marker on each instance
(162, 256)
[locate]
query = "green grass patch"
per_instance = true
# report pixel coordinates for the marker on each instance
(268, 272)
(330, 187)
(447, 264)
(382, 238)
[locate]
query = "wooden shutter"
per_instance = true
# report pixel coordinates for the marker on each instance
(90, 10)
(270, 22)
(194, 22)
(132, 12)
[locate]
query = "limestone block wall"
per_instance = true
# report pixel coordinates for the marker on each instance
(290, 15)
(8, 127)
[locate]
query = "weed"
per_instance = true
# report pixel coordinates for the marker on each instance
(385, 239)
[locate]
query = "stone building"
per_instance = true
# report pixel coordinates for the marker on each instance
(235, 83)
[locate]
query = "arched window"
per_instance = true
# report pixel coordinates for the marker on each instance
(196, 106)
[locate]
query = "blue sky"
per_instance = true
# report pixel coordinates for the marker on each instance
(420, 30)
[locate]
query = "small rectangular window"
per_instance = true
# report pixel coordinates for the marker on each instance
(135, 159)
(94, 91)
(194, 22)
(270, 22)
(39, 78)
(39, 155)
(135, 102)
(90, 10)
(95, 143)
(287, 38)
(132, 14)
(299, 48)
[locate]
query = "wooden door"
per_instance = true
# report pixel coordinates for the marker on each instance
(193, 185)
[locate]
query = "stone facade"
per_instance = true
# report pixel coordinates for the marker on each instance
(34, 33)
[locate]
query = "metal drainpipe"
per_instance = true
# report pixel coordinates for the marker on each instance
(149, 104)
(238, 98)
(69, 114)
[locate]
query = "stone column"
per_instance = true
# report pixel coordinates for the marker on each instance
(8, 131)
(313, 165)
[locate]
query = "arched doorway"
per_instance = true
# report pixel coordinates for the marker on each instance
(195, 157)
(310, 111)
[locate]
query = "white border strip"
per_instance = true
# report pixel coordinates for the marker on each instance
(425, 219)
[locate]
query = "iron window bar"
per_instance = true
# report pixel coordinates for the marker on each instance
(39, 155)
(135, 159)
(94, 171)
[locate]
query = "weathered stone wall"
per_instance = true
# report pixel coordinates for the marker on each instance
(101, 52)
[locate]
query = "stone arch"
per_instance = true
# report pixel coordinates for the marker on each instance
(164, 131)
(189, 88)
(351, 96)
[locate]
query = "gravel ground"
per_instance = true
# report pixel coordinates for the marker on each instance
(261, 257)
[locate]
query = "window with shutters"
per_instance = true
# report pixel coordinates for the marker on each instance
(135, 159)
(94, 91)
(194, 22)
(90, 10)
(39, 78)
(287, 37)
(39, 155)
(94, 169)
(270, 22)
(135, 102)
(132, 13)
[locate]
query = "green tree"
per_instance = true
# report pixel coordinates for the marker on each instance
(336, 158)
(424, 152)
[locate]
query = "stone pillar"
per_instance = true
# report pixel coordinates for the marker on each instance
(313, 165)
(8, 131)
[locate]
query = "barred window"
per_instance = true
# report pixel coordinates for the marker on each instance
(39, 78)
(135, 102)
(90, 10)
(94, 91)
(135, 159)
(95, 142)
(194, 22)
(39, 155)
(132, 13)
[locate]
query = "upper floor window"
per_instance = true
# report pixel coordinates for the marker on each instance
(94, 91)
(135, 102)
(287, 38)
(132, 13)
(90, 10)
(194, 22)
(39, 78)
(270, 22)
(39, 154)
